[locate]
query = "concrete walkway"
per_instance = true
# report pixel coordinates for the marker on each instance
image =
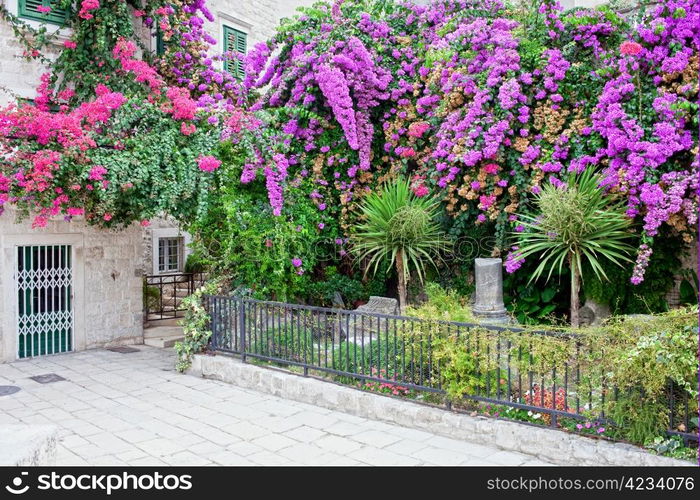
(134, 409)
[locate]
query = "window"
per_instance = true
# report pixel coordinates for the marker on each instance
(169, 254)
(29, 9)
(235, 41)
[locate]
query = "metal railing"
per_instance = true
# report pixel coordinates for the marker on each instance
(165, 293)
(503, 366)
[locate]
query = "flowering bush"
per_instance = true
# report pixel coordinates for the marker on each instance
(482, 105)
(477, 104)
(113, 140)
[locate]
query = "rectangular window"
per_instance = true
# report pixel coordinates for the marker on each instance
(235, 41)
(169, 254)
(29, 9)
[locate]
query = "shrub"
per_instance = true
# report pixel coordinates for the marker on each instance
(398, 229)
(442, 304)
(287, 342)
(577, 224)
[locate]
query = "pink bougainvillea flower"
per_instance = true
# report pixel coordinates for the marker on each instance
(97, 173)
(208, 163)
(187, 128)
(421, 190)
(491, 169)
(86, 6)
(145, 223)
(75, 211)
(630, 48)
(107, 217)
(44, 9)
(70, 44)
(296, 262)
(407, 153)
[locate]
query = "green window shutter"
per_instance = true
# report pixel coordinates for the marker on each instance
(235, 41)
(28, 9)
(160, 43)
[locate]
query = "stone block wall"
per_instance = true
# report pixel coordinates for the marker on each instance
(107, 280)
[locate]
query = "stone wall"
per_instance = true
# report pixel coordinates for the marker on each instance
(689, 263)
(107, 280)
(156, 223)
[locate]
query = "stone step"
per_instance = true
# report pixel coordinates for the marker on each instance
(162, 336)
(155, 322)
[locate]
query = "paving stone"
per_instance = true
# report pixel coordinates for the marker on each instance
(375, 456)
(114, 409)
(375, 438)
(274, 442)
(508, 458)
(337, 444)
(305, 434)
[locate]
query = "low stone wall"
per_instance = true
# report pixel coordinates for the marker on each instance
(550, 445)
(28, 445)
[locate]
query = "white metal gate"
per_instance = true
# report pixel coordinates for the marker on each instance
(44, 281)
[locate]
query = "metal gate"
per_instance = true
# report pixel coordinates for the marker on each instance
(44, 281)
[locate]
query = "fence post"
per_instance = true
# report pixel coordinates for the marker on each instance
(212, 322)
(241, 328)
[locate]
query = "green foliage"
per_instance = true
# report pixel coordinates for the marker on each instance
(286, 342)
(375, 356)
(532, 303)
(195, 263)
(195, 325)
(443, 305)
(637, 419)
(576, 224)
(459, 368)
(650, 295)
(398, 225)
(322, 292)
(151, 296)
(672, 446)
(398, 229)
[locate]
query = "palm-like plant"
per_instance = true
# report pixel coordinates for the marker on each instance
(398, 230)
(577, 224)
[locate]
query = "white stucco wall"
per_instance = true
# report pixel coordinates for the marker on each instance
(107, 280)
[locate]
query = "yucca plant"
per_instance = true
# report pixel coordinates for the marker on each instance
(577, 223)
(398, 229)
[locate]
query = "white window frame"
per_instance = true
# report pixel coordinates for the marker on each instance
(167, 233)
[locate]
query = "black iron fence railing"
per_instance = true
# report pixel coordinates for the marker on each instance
(552, 374)
(164, 293)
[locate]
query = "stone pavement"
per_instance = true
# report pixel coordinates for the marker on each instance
(134, 409)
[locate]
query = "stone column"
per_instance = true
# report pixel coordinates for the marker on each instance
(488, 302)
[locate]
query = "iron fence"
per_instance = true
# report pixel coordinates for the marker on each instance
(488, 365)
(164, 294)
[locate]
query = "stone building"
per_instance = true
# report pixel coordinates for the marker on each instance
(70, 286)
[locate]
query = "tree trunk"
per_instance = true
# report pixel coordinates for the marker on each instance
(574, 292)
(402, 281)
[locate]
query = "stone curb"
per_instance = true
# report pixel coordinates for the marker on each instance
(28, 445)
(549, 445)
